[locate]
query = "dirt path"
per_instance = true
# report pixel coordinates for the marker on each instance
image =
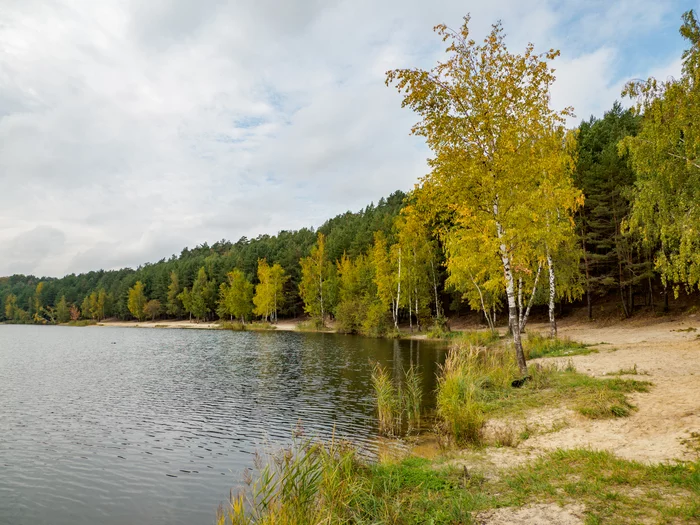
(665, 353)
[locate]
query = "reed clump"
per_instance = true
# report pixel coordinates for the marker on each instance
(397, 401)
(307, 483)
(470, 378)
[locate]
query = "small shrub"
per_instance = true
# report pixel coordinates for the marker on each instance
(376, 321)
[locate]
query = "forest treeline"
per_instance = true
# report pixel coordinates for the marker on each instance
(517, 211)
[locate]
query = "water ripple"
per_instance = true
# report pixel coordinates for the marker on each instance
(158, 427)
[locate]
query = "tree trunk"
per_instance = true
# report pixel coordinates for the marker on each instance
(483, 307)
(510, 292)
(588, 283)
(520, 303)
(523, 322)
(398, 294)
(552, 296)
(320, 287)
(437, 302)
(417, 318)
(410, 313)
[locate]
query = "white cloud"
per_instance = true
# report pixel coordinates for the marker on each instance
(129, 130)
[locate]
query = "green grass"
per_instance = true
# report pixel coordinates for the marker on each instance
(260, 327)
(613, 490)
(329, 484)
(631, 371)
(82, 322)
(475, 384)
(235, 326)
(312, 325)
(536, 346)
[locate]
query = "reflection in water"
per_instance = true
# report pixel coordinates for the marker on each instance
(115, 425)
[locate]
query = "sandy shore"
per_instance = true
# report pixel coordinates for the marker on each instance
(184, 324)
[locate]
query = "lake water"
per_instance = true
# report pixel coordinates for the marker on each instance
(128, 426)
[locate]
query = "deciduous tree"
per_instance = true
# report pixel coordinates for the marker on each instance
(665, 156)
(485, 113)
(137, 301)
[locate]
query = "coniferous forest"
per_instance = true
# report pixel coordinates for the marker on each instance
(518, 212)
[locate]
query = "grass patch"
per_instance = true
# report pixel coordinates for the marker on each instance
(612, 489)
(82, 322)
(632, 371)
(692, 442)
(536, 346)
(260, 327)
(689, 329)
(476, 383)
(329, 484)
(235, 326)
(312, 325)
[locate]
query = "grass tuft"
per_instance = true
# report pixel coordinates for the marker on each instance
(536, 345)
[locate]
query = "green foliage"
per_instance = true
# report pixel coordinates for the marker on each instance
(62, 311)
(318, 286)
(200, 300)
(269, 293)
(173, 305)
(152, 309)
(351, 232)
(236, 297)
(612, 261)
(502, 161)
(664, 155)
(136, 303)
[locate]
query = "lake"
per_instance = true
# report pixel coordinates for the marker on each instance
(125, 425)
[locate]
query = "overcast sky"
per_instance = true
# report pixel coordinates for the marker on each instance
(130, 129)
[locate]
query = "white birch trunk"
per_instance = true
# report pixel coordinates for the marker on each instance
(552, 296)
(510, 293)
(437, 302)
(532, 299)
(520, 302)
(398, 294)
(491, 323)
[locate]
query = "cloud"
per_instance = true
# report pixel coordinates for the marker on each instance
(30, 250)
(138, 128)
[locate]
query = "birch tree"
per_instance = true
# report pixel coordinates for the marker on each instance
(269, 296)
(665, 156)
(318, 278)
(485, 114)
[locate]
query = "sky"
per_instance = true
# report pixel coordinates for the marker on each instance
(131, 129)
